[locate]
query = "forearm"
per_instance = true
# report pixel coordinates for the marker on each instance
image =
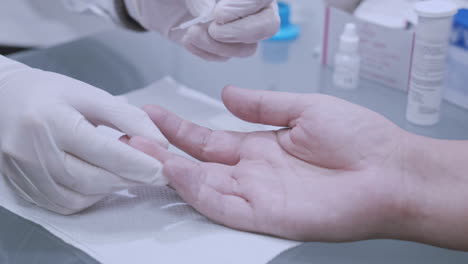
(436, 191)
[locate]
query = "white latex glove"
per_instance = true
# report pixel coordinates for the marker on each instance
(50, 149)
(237, 28)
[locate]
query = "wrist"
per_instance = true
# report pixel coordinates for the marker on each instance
(434, 188)
(408, 198)
(398, 207)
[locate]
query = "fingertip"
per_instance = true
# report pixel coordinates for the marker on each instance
(125, 139)
(147, 108)
(221, 16)
(139, 123)
(189, 43)
(227, 87)
(150, 147)
(251, 50)
(158, 115)
(232, 97)
(227, 91)
(154, 111)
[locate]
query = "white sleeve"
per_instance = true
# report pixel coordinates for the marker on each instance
(113, 10)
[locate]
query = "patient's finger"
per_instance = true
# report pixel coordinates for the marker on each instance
(266, 107)
(208, 187)
(151, 148)
(200, 142)
(211, 189)
(125, 139)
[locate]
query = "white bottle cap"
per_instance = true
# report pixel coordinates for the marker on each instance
(435, 8)
(349, 40)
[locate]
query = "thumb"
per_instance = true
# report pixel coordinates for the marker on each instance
(200, 7)
(266, 107)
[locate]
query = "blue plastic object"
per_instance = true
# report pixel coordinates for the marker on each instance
(287, 31)
(460, 29)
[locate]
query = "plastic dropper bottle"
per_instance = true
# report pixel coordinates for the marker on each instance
(347, 59)
(276, 50)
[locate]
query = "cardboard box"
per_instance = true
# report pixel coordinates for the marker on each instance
(386, 53)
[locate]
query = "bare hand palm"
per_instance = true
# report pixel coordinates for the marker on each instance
(317, 179)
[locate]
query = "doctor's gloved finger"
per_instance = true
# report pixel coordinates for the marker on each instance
(200, 142)
(82, 140)
(266, 107)
(204, 54)
(200, 7)
(73, 201)
(251, 29)
(122, 98)
(104, 109)
(210, 189)
(88, 179)
(229, 10)
(199, 37)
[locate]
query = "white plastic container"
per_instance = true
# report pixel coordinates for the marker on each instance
(347, 59)
(429, 65)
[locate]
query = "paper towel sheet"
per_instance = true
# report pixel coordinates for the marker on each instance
(152, 224)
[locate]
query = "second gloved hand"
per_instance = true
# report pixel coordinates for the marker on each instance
(237, 27)
(50, 149)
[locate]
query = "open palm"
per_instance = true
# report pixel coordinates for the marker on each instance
(332, 174)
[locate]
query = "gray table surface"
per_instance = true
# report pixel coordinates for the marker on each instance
(121, 61)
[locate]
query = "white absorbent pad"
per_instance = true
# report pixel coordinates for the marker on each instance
(152, 224)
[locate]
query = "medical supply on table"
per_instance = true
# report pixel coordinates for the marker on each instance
(347, 59)
(149, 224)
(288, 31)
(385, 52)
(389, 13)
(276, 49)
(457, 80)
(302, 11)
(429, 67)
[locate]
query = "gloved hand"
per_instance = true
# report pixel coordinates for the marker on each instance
(50, 149)
(237, 28)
